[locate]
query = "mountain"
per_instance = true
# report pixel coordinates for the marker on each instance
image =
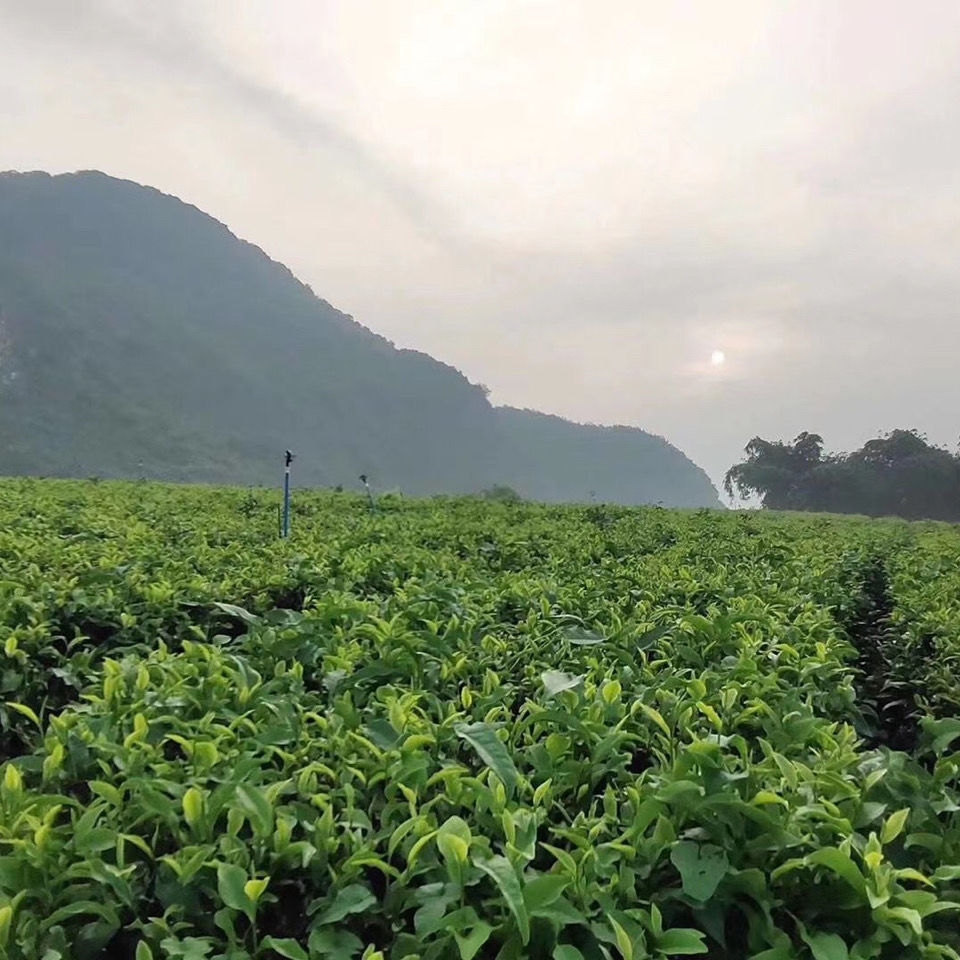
(140, 336)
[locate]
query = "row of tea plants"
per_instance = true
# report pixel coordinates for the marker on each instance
(460, 728)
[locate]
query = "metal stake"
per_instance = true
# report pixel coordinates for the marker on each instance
(363, 480)
(287, 460)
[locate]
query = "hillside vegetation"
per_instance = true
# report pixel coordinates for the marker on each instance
(138, 336)
(460, 729)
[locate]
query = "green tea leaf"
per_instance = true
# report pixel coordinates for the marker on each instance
(338, 944)
(560, 912)
(656, 717)
(701, 868)
(893, 826)
(231, 880)
(95, 840)
(22, 708)
(621, 938)
(841, 864)
(943, 732)
(505, 876)
(470, 943)
(544, 890)
(257, 807)
(483, 738)
(581, 637)
(193, 803)
(681, 941)
(254, 888)
(352, 899)
(765, 797)
(6, 923)
(783, 951)
(382, 733)
(285, 947)
(825, 946)
(234, 611)
(555, 681)
(189, 948)
(79, 907)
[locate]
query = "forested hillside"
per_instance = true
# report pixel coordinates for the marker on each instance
(139, 336)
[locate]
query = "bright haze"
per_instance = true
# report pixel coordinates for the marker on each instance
(581, 205)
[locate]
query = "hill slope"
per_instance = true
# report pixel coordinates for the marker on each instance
(138, 335)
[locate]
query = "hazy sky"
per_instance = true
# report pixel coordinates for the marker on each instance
(573, 202)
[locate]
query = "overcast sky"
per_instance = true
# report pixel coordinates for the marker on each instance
(575, 203)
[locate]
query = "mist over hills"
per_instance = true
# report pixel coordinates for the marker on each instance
(140, 336)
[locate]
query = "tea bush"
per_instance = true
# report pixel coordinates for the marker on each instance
(462, 728)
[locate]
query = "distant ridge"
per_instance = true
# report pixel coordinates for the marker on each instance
(138, 335)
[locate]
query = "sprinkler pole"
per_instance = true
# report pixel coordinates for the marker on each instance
(287, 460)
(363, 480)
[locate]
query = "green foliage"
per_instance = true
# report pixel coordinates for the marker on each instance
(899, 474)
(502, 492)
(464, 729)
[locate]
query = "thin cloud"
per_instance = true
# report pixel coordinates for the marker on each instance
(574, 206)
(176, 51)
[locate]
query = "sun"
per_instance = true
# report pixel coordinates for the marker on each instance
(718, 358)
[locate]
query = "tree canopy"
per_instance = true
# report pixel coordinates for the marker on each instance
(898, 474)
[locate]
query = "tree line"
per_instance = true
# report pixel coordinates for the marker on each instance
(898, 474)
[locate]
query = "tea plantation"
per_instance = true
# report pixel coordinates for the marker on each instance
(458, 729)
